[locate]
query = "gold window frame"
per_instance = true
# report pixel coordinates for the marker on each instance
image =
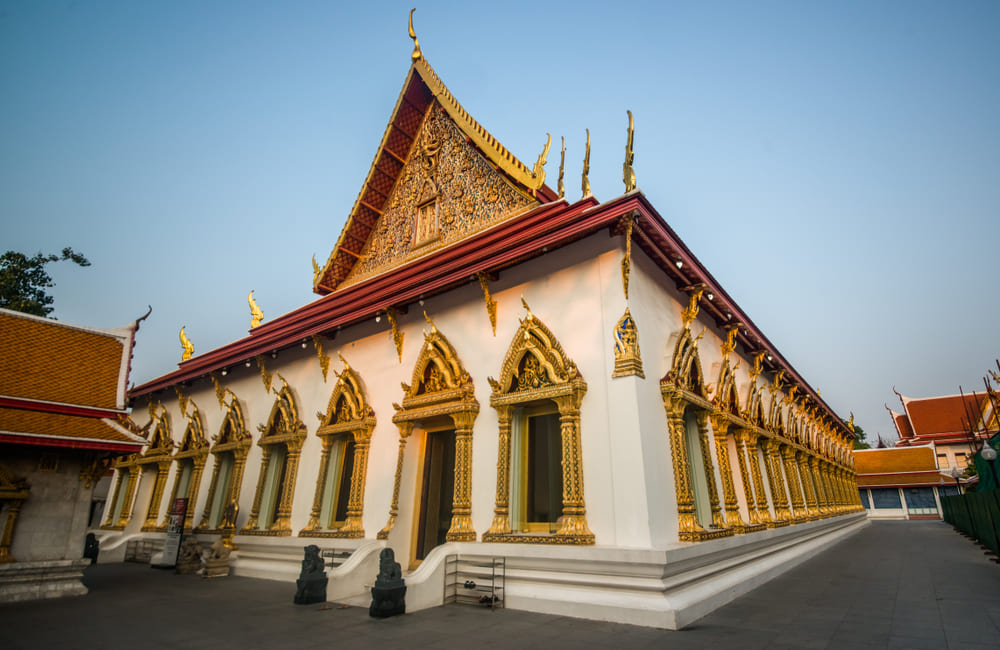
(233, 438)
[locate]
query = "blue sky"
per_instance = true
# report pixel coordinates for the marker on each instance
(836, 166)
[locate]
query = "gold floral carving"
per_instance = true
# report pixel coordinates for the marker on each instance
(534, 369)
(397, 335)
(347, 412)
(264, 374)
(491, 304)
(627, 258)
(628, 360)
(324, 360)
(440, 387)
(220, 390)
(691, 311)
(459, 190)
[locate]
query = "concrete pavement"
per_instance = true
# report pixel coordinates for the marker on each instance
(896, 584)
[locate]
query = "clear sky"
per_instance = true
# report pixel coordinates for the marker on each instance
(835, 165)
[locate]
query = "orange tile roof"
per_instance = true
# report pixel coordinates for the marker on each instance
(902, 425)
(918, 478)
(59, 429)
(895, 459)
(948, 414)
(42, 359)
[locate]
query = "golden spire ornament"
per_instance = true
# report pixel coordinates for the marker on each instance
(417, 54)
(562, 166)
(256, 315)
(586, 168)
(187, 345)
(628, 174)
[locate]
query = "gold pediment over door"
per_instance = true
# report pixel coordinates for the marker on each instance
(446, 191)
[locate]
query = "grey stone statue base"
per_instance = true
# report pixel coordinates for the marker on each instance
(310, 590)
(387, 601)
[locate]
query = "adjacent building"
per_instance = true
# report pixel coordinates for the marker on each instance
(957, 425)
(63, 417)
(902, 483)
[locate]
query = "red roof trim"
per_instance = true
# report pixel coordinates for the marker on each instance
(81, 443)
(58, 407)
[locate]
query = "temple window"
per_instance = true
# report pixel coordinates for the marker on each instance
(536, 469)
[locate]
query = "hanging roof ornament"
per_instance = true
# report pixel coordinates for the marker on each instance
(628, 174)
(417, 54)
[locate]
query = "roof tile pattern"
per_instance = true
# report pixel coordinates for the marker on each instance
(49, 361)
(55, 424)
(950, 414)
(905, 459)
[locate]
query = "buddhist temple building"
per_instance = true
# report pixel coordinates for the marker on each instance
(493, 370)
(63, 417)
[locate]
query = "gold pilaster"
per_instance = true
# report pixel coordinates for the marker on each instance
(317, 506)
(782, 516)
(822, 500)
(258, 495)
(802, 463)
(162, 469)
(792, 476)
(753, 514)
(354, 526)
(689, 530)
(283, 516)
(574, 518)
(718, 520)
(501, 514)
(751, 439)
(461, 510)
(130, 490)
(720, 426)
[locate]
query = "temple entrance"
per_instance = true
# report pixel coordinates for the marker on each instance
(437, 491)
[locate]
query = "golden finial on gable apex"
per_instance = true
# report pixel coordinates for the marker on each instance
(562, 167)
(417, 54)
(628, 174)
(538, 172)
(187, 345)
(586, 168)
(256, 315)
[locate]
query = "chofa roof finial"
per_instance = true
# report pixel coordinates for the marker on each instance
(417, 54)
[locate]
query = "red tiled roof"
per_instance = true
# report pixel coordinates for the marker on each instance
(56, 429)
(902, 423)
(949, 414)
(42, 359)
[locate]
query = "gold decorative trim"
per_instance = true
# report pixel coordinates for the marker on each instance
(283, 428)
(691, 311)
(220, 390)
(265, 376)
(628, 360)
(324, 359)
(440, 386)
(397, 336)
(491, 304)
(536, 368)
(585, 176)
(627, 259)
(347, 412)
(232, 438)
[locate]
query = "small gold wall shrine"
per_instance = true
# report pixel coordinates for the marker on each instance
(628, 361)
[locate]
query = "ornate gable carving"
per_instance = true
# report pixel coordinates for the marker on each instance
(283, 423)
(685, 370)
(347, 408)
(193, 441)
(446, 190)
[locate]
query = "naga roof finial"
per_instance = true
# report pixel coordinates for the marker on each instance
(562, 166)
(417, 54)
(628, 174)
(586, 168)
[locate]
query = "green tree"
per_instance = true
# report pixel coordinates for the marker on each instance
(860, 441)
(23, 280)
